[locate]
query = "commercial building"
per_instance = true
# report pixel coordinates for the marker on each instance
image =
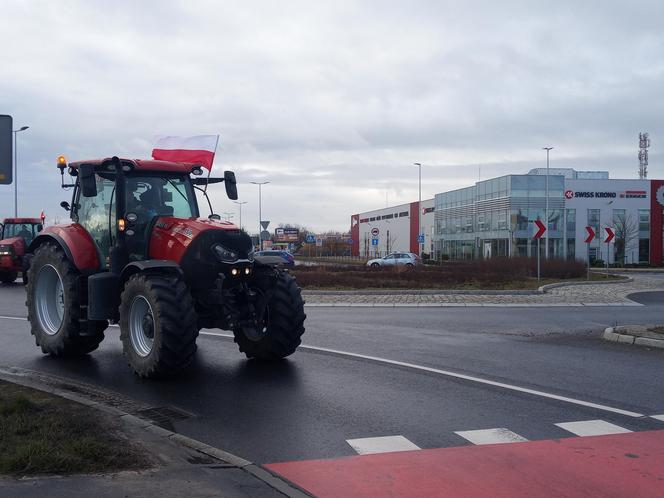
(393, 229)
(496, 217)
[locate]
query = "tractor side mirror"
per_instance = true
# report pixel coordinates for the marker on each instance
(214, 217)
(88, 180)
(65, 205)
(231, 185)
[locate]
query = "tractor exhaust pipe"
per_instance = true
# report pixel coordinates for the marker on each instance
(118, 253)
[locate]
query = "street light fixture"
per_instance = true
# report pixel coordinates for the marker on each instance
(16, 132)
(419, 212)
(240, 204)
(546, 209)
(260, 215)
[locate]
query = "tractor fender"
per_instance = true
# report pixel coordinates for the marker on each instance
(162, 265)
(76, 243)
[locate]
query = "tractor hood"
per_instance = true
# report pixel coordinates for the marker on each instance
(17, 245)
(203, 248)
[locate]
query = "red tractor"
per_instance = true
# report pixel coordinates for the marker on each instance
(16, 234)
(137, 253)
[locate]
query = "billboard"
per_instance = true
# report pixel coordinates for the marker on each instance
(6, 125)
(286, 234)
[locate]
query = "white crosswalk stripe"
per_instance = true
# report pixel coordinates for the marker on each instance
(658, 417)
(384, 444)
(491, 436)
(592, 428)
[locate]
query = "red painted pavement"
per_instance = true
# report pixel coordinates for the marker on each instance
(623, 465)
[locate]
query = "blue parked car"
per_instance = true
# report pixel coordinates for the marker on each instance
(288, 259)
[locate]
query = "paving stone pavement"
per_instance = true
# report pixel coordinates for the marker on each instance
(613, 294)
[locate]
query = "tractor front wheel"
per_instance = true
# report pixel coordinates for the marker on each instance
(57, 318)
(282, 325)
(157, 325)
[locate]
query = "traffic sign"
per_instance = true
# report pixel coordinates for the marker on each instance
(591, 235)
(310, 239)
(540, 229)
(375, 231)
(610, 234)
(350, 241)
(265, 224)
(420, 238)
(374, 242)
(319, 242)
(265, 235)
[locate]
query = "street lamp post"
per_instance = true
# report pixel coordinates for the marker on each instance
(260, 214)
(546, 209)
(240, 204)
(16, 132)
(419, 212)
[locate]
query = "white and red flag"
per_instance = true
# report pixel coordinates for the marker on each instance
(198, 149)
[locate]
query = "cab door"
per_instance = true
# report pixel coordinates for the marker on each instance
(97, 216)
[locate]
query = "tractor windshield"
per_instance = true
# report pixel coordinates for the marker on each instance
(26, 230)
(160, 196)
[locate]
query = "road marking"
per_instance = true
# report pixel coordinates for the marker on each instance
(592, 428)
(491, 436)
(658, 417)
(470, 378)
(384, 444)
(447, 373)
(24, 318)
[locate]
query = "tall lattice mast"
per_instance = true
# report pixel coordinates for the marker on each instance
(644, 143)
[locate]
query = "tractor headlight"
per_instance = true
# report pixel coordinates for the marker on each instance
(6, 250)
(223, 254)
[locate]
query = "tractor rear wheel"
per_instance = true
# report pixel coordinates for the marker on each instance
(57, 317)
(7, 277)
(158, 325)
(283, 323)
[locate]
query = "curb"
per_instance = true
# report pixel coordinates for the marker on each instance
(22, 377)
(615, 334)
(442, 292)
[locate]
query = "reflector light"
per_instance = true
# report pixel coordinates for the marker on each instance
(121, 225)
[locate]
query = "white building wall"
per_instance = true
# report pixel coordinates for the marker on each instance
(393, 233)
(606, 195)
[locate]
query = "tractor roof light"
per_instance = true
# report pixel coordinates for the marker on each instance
(62, 163)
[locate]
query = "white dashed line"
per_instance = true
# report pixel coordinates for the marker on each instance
(592, 428)
(491, 436)
(658, 417)
(385, 444)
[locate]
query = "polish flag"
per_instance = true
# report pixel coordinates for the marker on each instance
(199, 149)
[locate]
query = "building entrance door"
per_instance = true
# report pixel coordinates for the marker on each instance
(487, 250)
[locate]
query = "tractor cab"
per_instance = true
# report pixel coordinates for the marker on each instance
(25, 228)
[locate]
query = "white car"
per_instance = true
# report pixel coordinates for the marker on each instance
(407, 259)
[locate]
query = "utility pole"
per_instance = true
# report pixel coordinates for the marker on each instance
(546, 209)
(239, 203)
(419, 213)
(260, 213)
(16, 132)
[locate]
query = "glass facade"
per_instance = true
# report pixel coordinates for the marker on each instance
(496, 217)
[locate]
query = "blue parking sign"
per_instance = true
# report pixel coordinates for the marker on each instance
(374, 242)
(420, 238)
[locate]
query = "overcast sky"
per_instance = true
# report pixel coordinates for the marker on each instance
(332, 102)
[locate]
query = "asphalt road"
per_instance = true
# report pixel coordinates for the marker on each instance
(309, 405)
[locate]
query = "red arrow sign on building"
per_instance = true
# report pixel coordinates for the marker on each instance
(609, 234)
(591, 235)
(540, 229)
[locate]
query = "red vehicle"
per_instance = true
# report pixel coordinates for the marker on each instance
(16, 234)
(137, 253)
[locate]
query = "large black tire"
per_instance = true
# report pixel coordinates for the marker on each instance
(284, 320)
(158, 325)
(8, 277)
(58, 318)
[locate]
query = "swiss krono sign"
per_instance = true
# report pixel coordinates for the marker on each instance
(5, 149)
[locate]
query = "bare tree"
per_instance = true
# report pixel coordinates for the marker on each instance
(626, 230)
